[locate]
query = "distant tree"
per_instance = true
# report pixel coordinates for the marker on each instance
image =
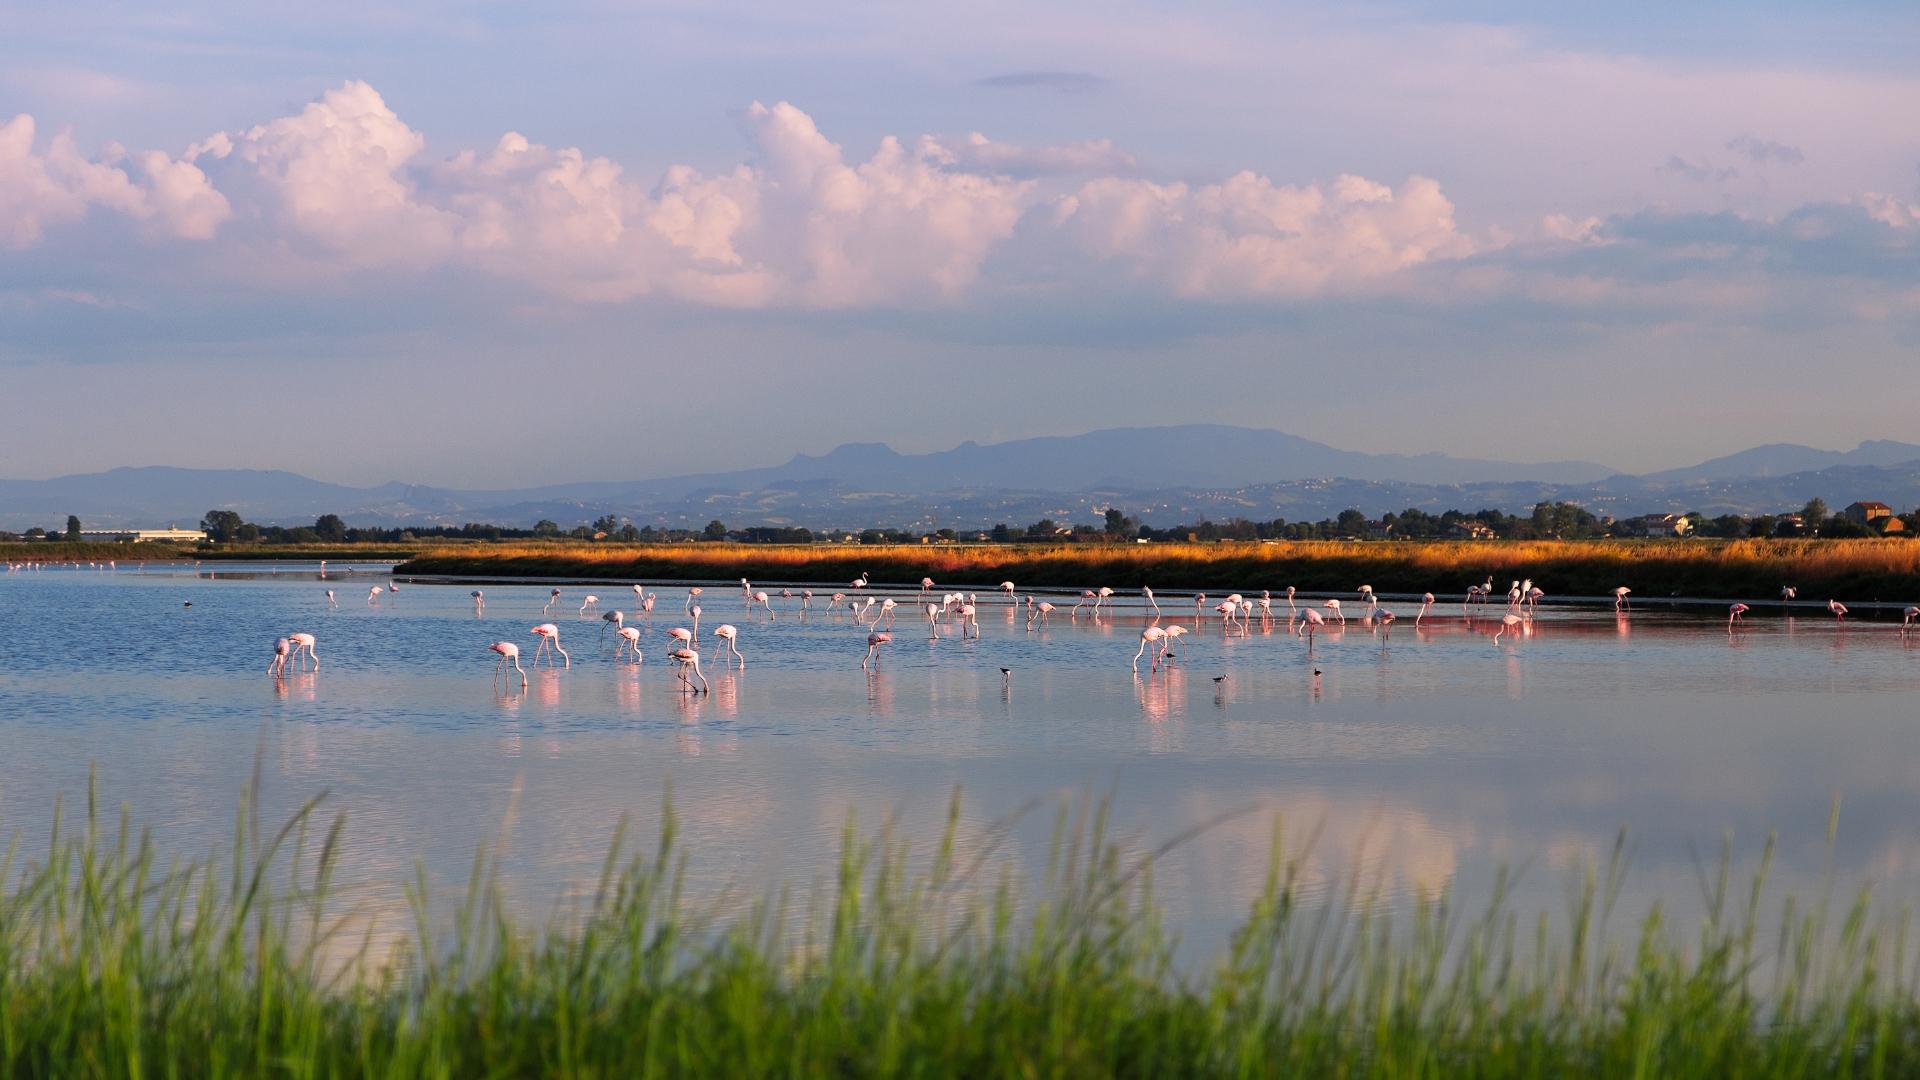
(1731, 526)
(330, 528)
(580, 532)
(1841, 527)
(627, 534)
(1761, 527)
(36, 533)
(247, 533)
(715, 530)
(1814, 514)
(1001, 534)
(1351, 522)
(1118, 523)
(73, 527)
(221, 525)
(1043, 527)
(543, 527)
(606, 523)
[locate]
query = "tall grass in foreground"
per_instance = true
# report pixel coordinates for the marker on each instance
(112, 963)
(1848, 569)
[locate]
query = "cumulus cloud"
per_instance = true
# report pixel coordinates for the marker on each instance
(1249, 237)
(59, 184)
(345, 184)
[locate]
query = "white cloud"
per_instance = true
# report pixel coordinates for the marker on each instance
(60, 184)
(1250, 237)
(977, 153)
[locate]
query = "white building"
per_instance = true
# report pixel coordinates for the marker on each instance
(169, 535)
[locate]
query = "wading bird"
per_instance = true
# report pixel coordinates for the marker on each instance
(725, 632)
(479, 599)
(1734, 612)
(591, 603)
(549, 636)
(1788, 592)
(508, 652)
(1007, 587)
(1839, 610)
(1426, 605)
(874, 641)
(968, 620)
(1155, 604)
(1334, 606)
(629, 640)
(1310, 623)
(331, 602)
(373, 596)
(1385, 619)
(1156, 637)
(303, 643)
(1101, 598)
(925, 584)
(1509, 624)
(688, 660)
(280, 650)
(861, 581)
(616, 619)
(1620, 600)
(547, 608)
(692, 594)
(1039, 611)
(1909, 616)
(681, 635)
(762, 599)
(1086, 596)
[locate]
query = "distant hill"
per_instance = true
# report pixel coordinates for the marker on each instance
(1162, 475)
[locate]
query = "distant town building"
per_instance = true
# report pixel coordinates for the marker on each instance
(1469, 530)
(1654, 525)
(1868, 512)
(169, 535)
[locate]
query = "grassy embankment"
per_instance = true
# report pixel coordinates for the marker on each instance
(1849, 569)
(62, 551)
(113, 962)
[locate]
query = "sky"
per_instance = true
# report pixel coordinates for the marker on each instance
(486, 245)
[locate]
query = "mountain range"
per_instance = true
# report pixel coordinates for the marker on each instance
(1162, 475)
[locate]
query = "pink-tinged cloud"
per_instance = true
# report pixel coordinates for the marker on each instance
(59, 185)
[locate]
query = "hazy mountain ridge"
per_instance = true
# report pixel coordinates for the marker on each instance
(1162, 475)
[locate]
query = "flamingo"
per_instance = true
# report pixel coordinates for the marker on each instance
(1044, 609)
(684, 659)
(925, 584)
(1334, 606)
(886, 612)
(1174, 632)
(1199, 603)
(1734, 612)
(508, 652)
(303, 643)
(725, 632)
(591, 603)
(1908, 618)
(373, 596)
(1514, 594)
(331, 602)
(1266, 606)
(806, 599)
(1509, 623)
(639, 594)
(1100, 598)
(1486, 589)
(1474, 592)
(859, 608)
(1533, 599)
(681, 634)
(1385, 619)
(1620, 599)
(691, 594)
(615, 619)
(280, 650)
(967, 619)
(1310, 623)
(479, 599)
(833, 605)
(874, 641)
(646, 605)
(549, 636)
(547, 608)
(761, 599)
(1426, 605)
(629, 639)
(1007, 587)
(695, 612)
(1085, 595)
(1290, 607)
(1366, 593)
(1148, 593)
(1839, 610)
(1156, 637)
(1225, 610)
(1788, 592)
(933, 622)
(861, 581)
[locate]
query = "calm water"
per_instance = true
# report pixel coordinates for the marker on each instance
(1427, 761)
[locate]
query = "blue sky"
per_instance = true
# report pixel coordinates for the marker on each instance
(475, 245)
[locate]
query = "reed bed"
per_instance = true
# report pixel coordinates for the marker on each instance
(1848, 569)
(91, 551)
(920, 962)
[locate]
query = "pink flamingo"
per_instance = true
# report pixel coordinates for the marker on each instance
(591, 603)
(1533, 598)
(508, 652)
(1101, 598)
(1174, 632)
(646, 605)
(373, 596)
(967, 619)
(629, 640)
(681, 635)
(1910, 615)
(762, 599)
(1199, 605)
(806, 599)
(1148, 594)
(1426, 605)
(303, 643)
(616, 619)
(692, 594)
(1620, 600)
(1509, 624)
(1290, 607)
(331, 602)
(1007, 587)
(925, 584)
(1839, 610)
(1385, 619)
(1734, 612)
(1310, 624)
(479, 600)
(549, 636)
(280, 650)
(1156, 637)
(861, 581)
(885, 614)
(725, 632)
(1042, 610)
(1334, 606)
(1788, 592)
(933, 622)
(547, 608)
(874, 641)
(695, 612)
(683, 660)
(1085, 596)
